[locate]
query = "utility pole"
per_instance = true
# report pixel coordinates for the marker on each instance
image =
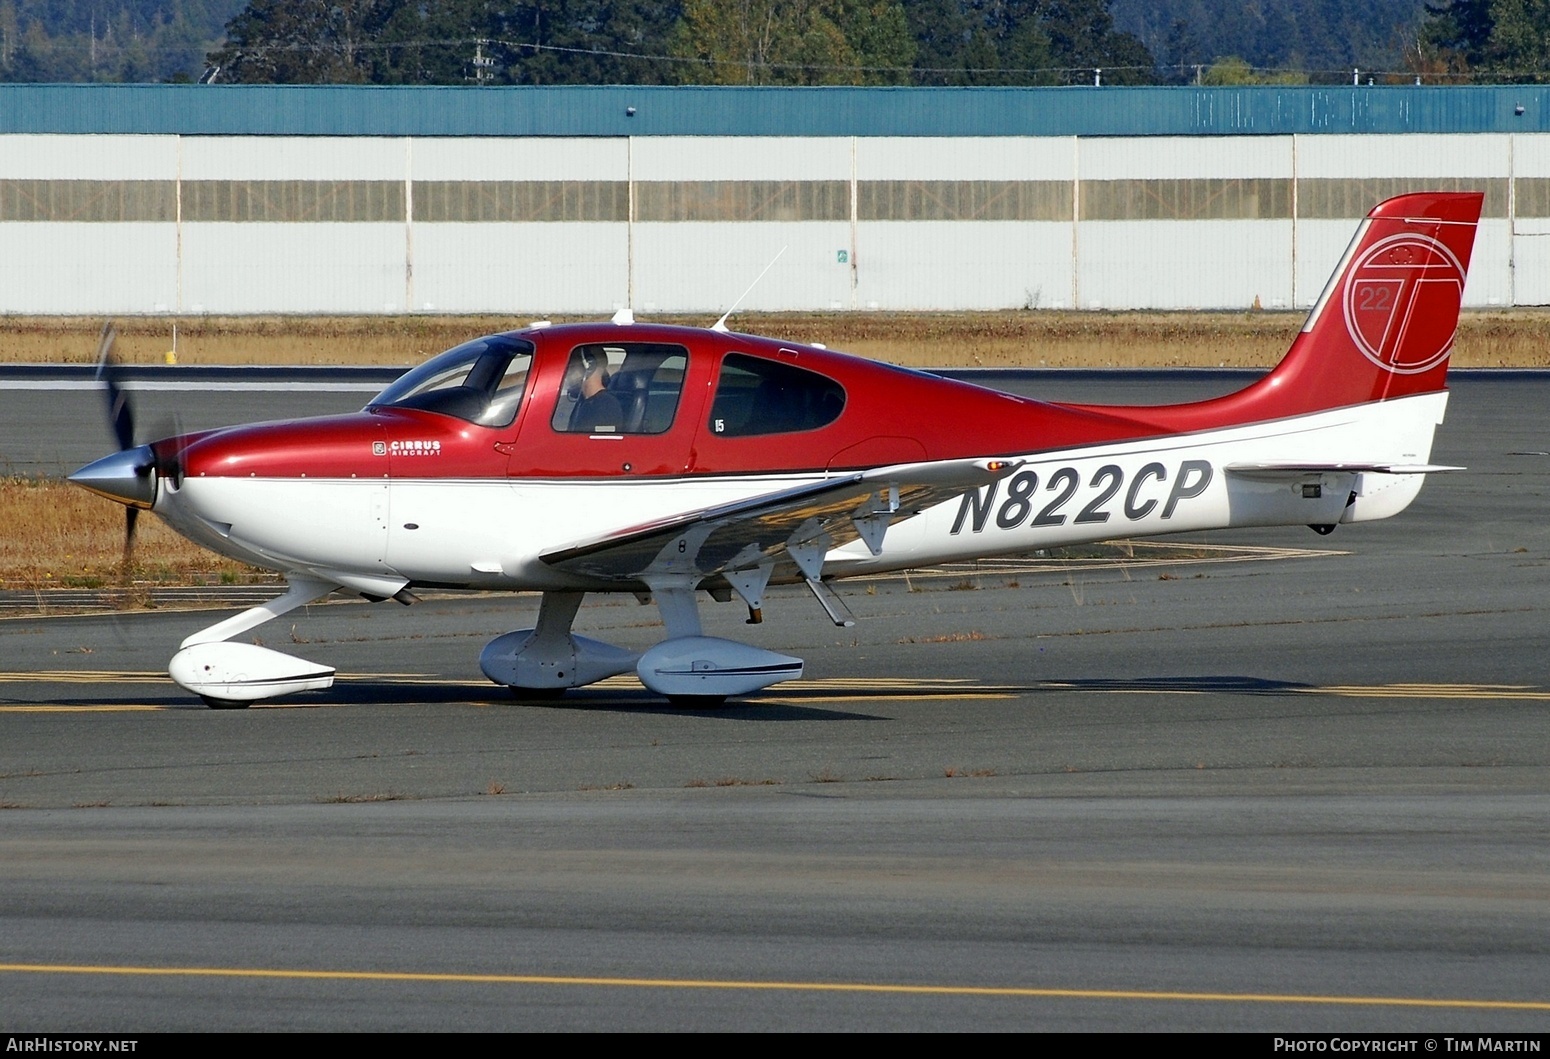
(484, 65)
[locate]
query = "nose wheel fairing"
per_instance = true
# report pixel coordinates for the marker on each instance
(228, 674)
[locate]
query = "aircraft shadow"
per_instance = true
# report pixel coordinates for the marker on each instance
(784, 704)
(618, 700)
(393, 693)
(1221, 685)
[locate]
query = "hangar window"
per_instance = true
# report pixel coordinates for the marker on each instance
(755, 396)
(481, 381)
(628, 388)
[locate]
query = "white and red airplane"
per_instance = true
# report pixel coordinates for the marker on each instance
(640, 458)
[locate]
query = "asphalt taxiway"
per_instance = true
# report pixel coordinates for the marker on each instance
(1281, 782)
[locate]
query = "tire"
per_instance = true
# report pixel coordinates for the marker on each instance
(537, 694)
(223, 704)
(698, 702)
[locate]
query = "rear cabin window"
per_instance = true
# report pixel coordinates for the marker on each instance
(629, 388)
(755, 396)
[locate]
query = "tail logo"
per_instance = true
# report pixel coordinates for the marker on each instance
(1402, 302)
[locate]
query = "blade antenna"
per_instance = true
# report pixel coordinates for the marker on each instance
(721, 324)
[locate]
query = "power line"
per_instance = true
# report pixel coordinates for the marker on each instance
(486, 63)
(1183, 68)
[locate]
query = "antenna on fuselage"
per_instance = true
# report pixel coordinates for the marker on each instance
(721, 324)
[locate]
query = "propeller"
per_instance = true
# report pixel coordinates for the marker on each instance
(134, 474)
(127, 475)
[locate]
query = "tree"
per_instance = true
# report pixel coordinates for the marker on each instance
(437, 43)
(792, 42)
(1228, 70)
(108, 40)
(304, 41)
(453, 42)
(1023, 42)
(941, 31)
(1015, 33)
(1458, 32)
(878, 35)
(1082, 38)
(1232, 70)
(1322, 38)
(1519, 45)
(1182, 53)
(1491, 40)
(586, 41)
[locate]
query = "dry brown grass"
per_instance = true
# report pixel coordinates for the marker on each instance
(1516, 338)
(243, 340)
(73, 539)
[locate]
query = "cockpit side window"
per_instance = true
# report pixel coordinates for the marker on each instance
(756, 396)
(507, 396)
(628, 388)
(480, 381)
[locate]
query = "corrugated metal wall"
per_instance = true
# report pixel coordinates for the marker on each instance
(705, 110)
(95, 224)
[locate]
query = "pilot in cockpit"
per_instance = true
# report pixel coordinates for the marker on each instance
(597, 410)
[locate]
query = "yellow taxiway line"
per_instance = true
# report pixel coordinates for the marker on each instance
(1436, 691)
(85, 676)
(64, 707)
(743, 984)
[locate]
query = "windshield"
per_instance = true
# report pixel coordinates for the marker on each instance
(481, 381)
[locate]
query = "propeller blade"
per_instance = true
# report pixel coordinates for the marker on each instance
(126, 567)
(121, 416)
(131, 516)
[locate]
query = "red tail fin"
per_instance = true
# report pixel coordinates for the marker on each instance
(1383, 327)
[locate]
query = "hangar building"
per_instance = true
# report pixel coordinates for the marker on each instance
(231, 199)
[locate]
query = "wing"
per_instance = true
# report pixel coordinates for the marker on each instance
(799, 524)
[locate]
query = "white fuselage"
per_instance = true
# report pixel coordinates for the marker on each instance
(490, 533)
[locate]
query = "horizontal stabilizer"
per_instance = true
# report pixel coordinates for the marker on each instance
(1293, 470)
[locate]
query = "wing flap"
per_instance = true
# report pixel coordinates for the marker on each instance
(797, 524)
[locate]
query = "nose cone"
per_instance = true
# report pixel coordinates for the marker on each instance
(128, 476)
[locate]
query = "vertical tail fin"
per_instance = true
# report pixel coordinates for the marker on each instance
(1385, 323)
(1383, 328)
